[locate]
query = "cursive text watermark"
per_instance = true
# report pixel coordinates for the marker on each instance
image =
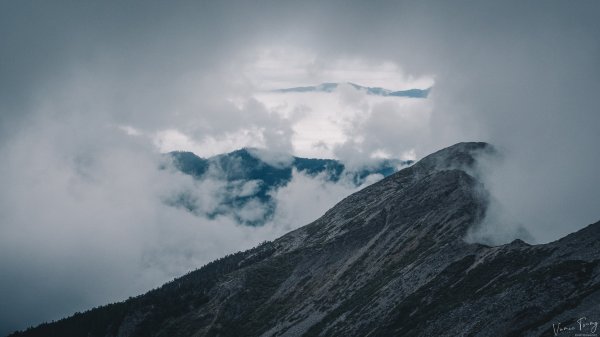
(583, 327)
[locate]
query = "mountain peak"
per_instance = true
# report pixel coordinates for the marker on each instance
(432, 203)
(462, 156)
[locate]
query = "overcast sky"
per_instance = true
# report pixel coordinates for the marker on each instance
(91, 93)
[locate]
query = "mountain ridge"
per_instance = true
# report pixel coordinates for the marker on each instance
(251, 176)
(387, 260)
(376, 91)
(197, 166)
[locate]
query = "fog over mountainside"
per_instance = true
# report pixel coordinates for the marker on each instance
(93, 94)
(250, 178)
(388, 260)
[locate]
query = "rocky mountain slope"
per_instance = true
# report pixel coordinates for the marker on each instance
(389, 260)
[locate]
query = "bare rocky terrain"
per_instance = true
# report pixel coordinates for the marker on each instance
(389, 260)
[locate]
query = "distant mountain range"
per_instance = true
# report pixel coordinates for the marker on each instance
(389, 260)
(248, 178)
(330, 87)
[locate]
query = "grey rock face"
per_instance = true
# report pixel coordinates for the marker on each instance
(390, 260)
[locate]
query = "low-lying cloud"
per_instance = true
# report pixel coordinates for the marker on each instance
(86, 223)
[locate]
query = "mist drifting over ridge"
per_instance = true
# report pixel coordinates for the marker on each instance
(77, 188)
(378, 263)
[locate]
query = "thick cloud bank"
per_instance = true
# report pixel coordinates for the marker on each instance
(86, 223)
(92, 92)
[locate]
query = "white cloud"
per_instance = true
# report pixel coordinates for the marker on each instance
(174, 140)
(273, 158)
(130, 130)
(347, 118)
(210, 145)
(306, 198)
(284, 66)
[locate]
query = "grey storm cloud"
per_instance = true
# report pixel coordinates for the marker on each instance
(81, 218)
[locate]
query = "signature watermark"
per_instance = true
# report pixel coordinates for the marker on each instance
(583, 327)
